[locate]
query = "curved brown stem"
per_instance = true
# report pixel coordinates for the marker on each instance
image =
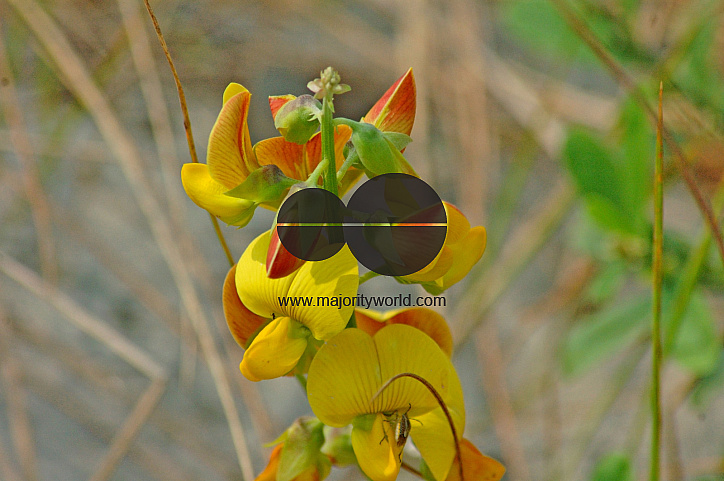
(187, 122)
(442, 404)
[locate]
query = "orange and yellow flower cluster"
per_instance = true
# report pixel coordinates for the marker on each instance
(373, 380)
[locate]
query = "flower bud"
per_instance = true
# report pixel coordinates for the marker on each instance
(377, 153)
(297, 120)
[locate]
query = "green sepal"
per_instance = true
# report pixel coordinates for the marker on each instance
(338, 446)
(398, 139)
(377, 153)
(242, 219)
(301, 451)
(265, 184)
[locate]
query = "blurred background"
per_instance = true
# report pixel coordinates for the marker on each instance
(533, 116)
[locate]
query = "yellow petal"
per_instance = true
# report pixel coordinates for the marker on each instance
(275, 350)
(209, 195)
(229, 156)
(333, 277)
(336, 277)
(241, 321)
(395, 111)
(457, 224)
(466, 253)
(435, 269)
(432, 434)
(343, 377)
(349, 370)
(376, 450)
(476, 465)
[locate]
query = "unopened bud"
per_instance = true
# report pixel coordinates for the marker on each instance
(297, 120)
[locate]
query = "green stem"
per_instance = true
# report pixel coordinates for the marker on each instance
(367, 276)
(656, 286)
(330, 176)
(351, 159)
(314, 176)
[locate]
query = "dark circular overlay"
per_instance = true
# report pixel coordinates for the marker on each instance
(394, 224)
(309, 224)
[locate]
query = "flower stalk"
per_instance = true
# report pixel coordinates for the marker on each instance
(656, 287)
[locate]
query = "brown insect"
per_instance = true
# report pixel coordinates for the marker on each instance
(402, 426)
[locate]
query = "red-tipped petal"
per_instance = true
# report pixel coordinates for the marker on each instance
(241, 321)
(276, 102)
(395, 111)
(279, 261)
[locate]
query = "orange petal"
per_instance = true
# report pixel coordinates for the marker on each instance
(426, 320)
(395, 111)
(241, 321)
(276, 102)
(229, 156)
(270, 472)
(342, 134)
(279, 261)
(476, 465)
(288, 156)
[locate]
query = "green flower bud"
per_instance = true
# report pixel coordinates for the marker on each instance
(301, 452)
(297, 120)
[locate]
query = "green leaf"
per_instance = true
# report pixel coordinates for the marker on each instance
(638, 142)
(533, 20)
(708, 387)
(696, 346)
(598, 177)
(598, 336)
(613, 467)
(606, 283)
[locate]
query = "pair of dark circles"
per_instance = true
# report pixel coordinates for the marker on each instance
(394, 224)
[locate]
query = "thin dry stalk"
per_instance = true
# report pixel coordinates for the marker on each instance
(473, 122)
(115, 341)
(127, 433)
(487, 347)
(23, 148)
(413, 50)
(79, 82)
(17, 406)
(6, 466)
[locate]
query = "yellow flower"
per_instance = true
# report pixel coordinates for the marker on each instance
(349, 370)
(463, 248)
(229, 159)
(294, 327)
